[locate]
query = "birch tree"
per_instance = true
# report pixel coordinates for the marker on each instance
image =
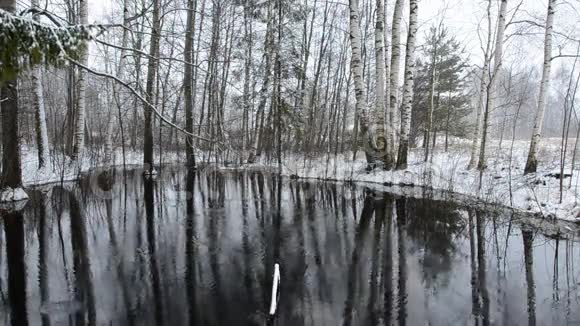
(497, 62)
(532, 162)
(382, 150)
(79, 132)
(357, 72)
(395, 72)
(39, 112)
(408, 87)
(482, 87)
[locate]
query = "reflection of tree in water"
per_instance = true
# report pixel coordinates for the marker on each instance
(528, 238)
(14, 235)
(84, 291)
(337, 267)
(402, 220)
(149, 192)
(374, 304)
(190, 249)
(360, 237)
(433, 227)
(388, 298)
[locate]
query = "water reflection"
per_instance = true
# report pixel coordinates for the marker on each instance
(14, 240)
(198, 248)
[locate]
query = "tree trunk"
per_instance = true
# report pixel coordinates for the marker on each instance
(79, 133)
(382, 151)
(431, 97)
(151, 69)
(447, 122)
(532, 163)
(39, 112)
(408, 87)
(386, 40)
(248, 5)
(493, 82)
(187, 83)
(120, 75)
(306, 44)
(395, 74)
(357, 72)
(482, 91)
(255, 151)
(11, 170)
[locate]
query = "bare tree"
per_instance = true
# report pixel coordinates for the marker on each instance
(497, 63)
(39, 112)
(408, 87)
(482, 87)
(532, 162)
(120, 75)
(248, 8)
(357, 72)
(79, 133)
(394, 73)
(151, 72)
(382, 151)
(255, 151)
(187, 82)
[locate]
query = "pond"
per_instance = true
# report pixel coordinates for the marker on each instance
(199, 248)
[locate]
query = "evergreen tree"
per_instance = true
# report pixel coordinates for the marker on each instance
(443, 74)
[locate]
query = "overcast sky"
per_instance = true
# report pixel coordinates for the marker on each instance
(462, 17)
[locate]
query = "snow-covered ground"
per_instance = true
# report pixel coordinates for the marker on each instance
(61, 168)
(535, 193)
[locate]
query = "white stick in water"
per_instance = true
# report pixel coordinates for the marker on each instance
(275, 285)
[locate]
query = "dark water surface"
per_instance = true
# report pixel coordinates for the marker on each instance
(199, 249)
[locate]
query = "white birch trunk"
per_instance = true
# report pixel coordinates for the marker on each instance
(493, 82)
(357, 72)
(386, 34)
(40, 117)
(482, 89)
(39, 112)
(532, 163)
(395, 75)
(382, 149)
(408, 87)
(79, 133)
(389, 132)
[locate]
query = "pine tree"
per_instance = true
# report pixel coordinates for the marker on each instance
(440, 84)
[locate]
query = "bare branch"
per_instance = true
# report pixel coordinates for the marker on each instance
(139, 96)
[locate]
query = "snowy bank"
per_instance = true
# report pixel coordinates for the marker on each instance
(60, 168)
(502, 183)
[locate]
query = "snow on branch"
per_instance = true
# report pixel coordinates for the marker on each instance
(25, 42)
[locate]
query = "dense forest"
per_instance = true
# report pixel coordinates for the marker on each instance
(235, 82)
